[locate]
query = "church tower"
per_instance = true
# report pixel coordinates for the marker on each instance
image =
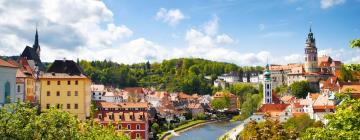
(267, 88)
(311, 58)
(36, 45)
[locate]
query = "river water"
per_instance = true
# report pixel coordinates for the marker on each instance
(210, 131)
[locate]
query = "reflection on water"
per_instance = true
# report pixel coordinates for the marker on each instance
(210, 131)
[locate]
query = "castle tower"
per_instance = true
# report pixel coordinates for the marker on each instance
(36, 45)
(311, 59)
(267, 88)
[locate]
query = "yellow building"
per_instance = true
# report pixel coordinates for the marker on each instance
(65, 86)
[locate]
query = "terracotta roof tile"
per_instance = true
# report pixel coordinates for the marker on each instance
(273, 108)
(3, 63)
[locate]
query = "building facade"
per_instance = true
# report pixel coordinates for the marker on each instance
(65, 86)
(128, 117)
(7, 82)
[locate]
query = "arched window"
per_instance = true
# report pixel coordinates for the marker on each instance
(7, 92)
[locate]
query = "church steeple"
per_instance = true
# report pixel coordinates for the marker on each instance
(36, 45)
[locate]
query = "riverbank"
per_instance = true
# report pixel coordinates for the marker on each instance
(233, 133)
(167, 135)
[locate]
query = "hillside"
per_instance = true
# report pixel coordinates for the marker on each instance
(183, 74)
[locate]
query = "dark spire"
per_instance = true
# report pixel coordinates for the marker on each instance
(310, 38)
(36, 45)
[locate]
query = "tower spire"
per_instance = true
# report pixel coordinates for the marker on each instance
(36, 45)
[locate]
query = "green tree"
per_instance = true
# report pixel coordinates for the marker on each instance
(300, 89)
(344, 124)
(346, 74)
(21, 121)
(299, 124)
(355, 43)
(220, 103)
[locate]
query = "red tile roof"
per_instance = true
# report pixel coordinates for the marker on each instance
(3, 63)
(273, 108)
(134, 89)
(122, 105)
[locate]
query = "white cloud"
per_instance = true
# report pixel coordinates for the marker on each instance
(224, 39)
(171, 16)
(211, 27)
(325, 4)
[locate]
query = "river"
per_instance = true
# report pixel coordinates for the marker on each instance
(210, 131)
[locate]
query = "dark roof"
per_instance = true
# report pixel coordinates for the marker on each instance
(30, 54)
(65, 66)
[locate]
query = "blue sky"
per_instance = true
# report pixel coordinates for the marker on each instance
(285, 23)
(245, 32)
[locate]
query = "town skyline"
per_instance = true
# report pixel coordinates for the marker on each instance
(113, 30)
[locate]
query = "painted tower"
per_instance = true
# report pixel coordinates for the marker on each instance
(267, 88)
(311, 60)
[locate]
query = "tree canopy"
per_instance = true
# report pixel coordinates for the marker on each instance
(344, 124)
(300, 89)
(355, 43)
(21, 121)
(175, 75)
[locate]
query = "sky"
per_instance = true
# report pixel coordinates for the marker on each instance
(244, 32)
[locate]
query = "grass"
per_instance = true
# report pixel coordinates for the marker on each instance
(187, 124)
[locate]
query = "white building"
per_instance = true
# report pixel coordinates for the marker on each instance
(231, 77)
(97, 92)
(7, 82)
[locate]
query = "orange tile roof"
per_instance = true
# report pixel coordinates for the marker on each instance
(222, 94)
(273, 108)
(126, 117)
(284, 67)
(122, 105)
(354, 88)
(134, 89)
(3, 63)
(20, 74)
(325, 107)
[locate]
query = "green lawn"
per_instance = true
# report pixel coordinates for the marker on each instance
(183, 126)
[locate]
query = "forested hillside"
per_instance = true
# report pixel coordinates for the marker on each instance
(184, 74)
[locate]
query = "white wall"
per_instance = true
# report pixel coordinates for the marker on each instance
(7, 74)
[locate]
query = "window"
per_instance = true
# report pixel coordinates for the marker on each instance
(48, 93)
(57, 93)
(69, 82)
(119, 127)
(99, 98)
(48, 82)
(7, 92)
(58, 82)
(76, 106)
(137, 135)
(76, 93)
(100, 116)
(69, 93)
(120, 117)
(267, 86)
(138, 127)
(68, 106)
(93, 93)
(129, 127)
(47, 106)
(111, 117)
(76, 82)
(18, 88)
(58, 106)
